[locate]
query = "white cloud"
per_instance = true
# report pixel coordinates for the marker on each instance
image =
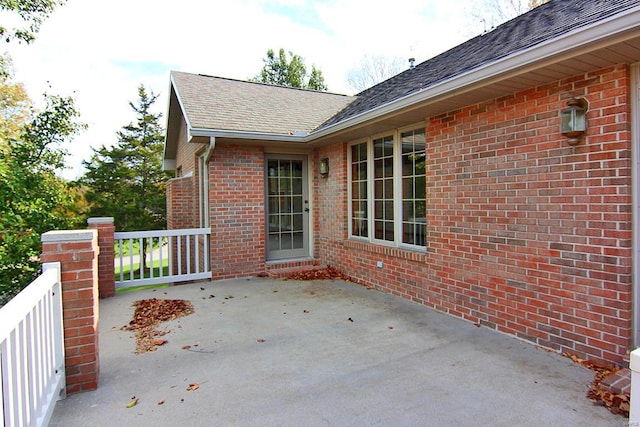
(101, 51)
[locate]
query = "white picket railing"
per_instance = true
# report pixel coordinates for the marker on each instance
(634, 367)
(32, 352)
(185, 251)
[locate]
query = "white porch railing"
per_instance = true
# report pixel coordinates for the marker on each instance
(634, 367)
(184, 253)
(32, 352)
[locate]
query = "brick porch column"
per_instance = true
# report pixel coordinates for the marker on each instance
(106, 277)
(77, 252)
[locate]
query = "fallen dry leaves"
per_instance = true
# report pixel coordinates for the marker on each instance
(148, 314)
(616, 403)
(328, 273)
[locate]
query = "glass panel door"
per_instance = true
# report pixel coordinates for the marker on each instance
(287, 207)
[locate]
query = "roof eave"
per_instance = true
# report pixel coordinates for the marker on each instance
(170, 147)
(249, 135)
(569, 44)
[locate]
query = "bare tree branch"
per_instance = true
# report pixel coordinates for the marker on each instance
(374, 69)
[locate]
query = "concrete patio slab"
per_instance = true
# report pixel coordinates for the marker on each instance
(289, 353)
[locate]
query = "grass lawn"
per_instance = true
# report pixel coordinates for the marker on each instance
(139, 288)
(147, 273)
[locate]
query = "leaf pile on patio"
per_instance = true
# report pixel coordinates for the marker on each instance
(328, 273)
(616, 403)
(151, 312)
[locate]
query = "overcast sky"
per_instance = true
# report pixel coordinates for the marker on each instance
(100, 51)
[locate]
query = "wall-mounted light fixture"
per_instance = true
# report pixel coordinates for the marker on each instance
(573, 120)
(324, 167)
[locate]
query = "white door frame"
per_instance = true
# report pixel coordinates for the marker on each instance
(305, 251)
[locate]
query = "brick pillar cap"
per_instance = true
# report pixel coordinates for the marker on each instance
(100, 220)
(69, 236)
(634, 362)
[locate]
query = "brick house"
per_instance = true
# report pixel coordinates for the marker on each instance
(450, 184)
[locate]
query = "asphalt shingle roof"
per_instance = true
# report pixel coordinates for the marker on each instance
(226, 104)
(538, 25)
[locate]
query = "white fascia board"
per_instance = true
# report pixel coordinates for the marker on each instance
(236, 134)
(569, 44)
(182, 109)
(184, 114)
(172, 89)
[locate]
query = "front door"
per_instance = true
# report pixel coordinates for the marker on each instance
(287, 207)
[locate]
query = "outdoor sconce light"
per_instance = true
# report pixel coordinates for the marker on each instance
(324, 167)
(573, 121)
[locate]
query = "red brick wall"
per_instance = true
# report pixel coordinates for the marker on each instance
(182, 199)
(330, 211)
(186, 156)
(526, 235)
(236, 198)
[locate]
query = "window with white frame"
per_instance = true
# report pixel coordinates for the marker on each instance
(414, 190)
(359, 191)
(383, 224)
(388, 189)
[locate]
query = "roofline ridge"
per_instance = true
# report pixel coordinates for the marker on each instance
(263, 84)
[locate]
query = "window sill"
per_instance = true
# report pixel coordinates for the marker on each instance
(418, 255)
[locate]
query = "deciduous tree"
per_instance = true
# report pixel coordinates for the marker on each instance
(15, 105)
(29, 13)
(34, 199)
(484, 15)
(374, 69)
